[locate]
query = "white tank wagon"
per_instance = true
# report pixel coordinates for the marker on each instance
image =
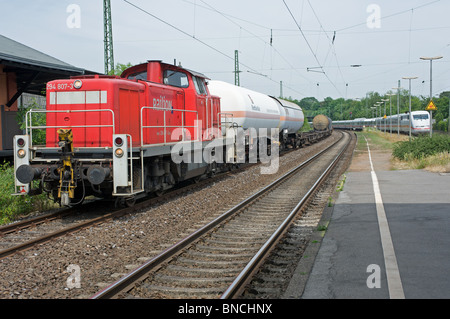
(245, 108)
(293, 116)
(322, 123)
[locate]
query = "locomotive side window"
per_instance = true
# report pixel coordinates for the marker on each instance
(199, 85)
(138, 76)
(175, 78)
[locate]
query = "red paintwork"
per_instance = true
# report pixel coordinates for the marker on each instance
(125, 97)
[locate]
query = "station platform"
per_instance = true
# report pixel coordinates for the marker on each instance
(387, 237)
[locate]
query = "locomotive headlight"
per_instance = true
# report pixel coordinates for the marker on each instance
(77, 84)
(119, 152)
(20, 142)
(118, 141)
(21, 153)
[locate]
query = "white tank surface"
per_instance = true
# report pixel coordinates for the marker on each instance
(249, 109)
(293, 116)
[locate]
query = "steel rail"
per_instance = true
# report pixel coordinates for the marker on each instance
(13, 227)
(140, 273)
(29, 244)
(244, 277)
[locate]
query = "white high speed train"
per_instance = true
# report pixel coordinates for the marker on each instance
(420, 123)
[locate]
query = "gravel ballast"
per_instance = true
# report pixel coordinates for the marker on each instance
(105, 252)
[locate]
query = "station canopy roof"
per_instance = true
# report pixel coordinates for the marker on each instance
(33, 68)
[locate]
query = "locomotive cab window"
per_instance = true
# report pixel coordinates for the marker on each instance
(199, 85)
(138, 76)
(175, 78)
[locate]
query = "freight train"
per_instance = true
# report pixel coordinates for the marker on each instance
(420, 123)
(144, 132)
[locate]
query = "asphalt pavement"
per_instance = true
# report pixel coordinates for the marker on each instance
(387, 237)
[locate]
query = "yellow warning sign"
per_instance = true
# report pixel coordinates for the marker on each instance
(431, 106)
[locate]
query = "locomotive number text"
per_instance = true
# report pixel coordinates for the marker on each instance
(59, 86)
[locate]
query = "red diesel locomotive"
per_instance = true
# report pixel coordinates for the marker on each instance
(112, 136)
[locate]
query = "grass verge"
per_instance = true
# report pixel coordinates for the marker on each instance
(423, 152)
(12, 207)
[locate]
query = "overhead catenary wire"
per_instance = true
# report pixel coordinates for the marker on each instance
(390, 16)
(331, 46)
(203, 42)
(230, 18)
(311, 49)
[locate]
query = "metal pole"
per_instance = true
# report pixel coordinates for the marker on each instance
(236, 68)
(108, 37)
(398, 109)
(448, 121)
(431, 97)
(390, 114)
(409, 78)
(383, 119)
(431, 87)
(409, 110)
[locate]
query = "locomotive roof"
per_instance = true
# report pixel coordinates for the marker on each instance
(194, 73)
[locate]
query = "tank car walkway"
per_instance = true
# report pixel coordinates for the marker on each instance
(388, 237)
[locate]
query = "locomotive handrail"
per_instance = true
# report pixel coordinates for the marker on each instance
(223, 115)
(29, 127)
(165, 126)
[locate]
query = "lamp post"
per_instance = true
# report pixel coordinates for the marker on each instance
(409, 78)
(431, 87)
(398, 107)
(377, 104)
(373, 108)
(384, 100)
(390, 112)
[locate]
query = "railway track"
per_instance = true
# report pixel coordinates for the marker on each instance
(220, 258)
(26, 234)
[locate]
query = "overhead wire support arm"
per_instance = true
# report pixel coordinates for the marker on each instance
(311, 69)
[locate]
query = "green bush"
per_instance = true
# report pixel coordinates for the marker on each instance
(37, 119)
(13, 206)
(421, 147)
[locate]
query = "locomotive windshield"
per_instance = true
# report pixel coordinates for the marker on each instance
(175, 78)
(138, 76)
(420, 116)
(199, 86)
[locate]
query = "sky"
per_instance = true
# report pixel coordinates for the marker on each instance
(316, 48)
